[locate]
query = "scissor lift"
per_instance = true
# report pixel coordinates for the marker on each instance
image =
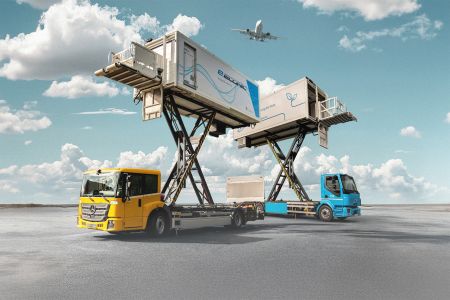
(284, 120)
(143, 69)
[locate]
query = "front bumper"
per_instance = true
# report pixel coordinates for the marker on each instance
(110, 224)
(348, 212)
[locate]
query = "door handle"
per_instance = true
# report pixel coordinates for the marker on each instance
(139, 203)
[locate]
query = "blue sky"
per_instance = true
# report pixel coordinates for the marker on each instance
(387, 60)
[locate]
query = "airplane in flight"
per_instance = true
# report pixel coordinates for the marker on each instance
(257, 34)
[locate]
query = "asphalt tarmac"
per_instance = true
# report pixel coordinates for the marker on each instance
(390, 252)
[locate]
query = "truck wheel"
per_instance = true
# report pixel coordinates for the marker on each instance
(325, 213)
(157, 224)
(237, 221)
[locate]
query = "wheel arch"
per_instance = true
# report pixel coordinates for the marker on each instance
(326, 202)
(164, 209)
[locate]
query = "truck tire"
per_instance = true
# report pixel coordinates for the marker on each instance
(157, 224)
(326, 213)
(237, 221)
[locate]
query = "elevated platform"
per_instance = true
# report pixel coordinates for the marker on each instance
(277, 133)
(198, 81)
(301, 105)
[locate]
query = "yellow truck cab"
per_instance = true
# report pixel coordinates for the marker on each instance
(122, 199)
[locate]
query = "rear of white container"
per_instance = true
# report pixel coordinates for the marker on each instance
(245, 188)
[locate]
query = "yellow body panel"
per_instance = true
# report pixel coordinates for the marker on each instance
(123, 216)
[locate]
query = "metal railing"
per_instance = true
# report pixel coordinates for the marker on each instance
(121, 56)
(331, 107)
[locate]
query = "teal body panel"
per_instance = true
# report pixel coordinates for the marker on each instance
(276, 208)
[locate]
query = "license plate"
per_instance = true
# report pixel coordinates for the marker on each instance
(91, 226)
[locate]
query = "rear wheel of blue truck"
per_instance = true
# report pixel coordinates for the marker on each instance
(157, 224)
(326, 213)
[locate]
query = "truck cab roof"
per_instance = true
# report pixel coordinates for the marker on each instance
(126, 170)
(332, 174)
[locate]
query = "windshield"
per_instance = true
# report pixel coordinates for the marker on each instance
(348, 185)
(102, 184)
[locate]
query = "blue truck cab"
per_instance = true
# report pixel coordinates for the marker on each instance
(339, 197)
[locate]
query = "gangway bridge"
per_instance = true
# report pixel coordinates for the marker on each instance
(292, 112)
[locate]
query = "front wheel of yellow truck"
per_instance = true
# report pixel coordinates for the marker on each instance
(157, 224)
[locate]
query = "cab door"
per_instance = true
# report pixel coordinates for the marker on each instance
(150, 190)
(332, 189)
(133, 205)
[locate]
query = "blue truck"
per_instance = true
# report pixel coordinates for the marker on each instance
(340, 199)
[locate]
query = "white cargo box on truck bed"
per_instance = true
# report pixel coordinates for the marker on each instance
(196, 78)
(245, 188)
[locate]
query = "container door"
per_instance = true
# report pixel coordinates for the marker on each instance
(133, 206)
(190, 68)
(323, 136)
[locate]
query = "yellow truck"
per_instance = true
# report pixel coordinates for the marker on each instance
(122, 199)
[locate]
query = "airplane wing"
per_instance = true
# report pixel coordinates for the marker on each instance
(246, 32)
(270, 37)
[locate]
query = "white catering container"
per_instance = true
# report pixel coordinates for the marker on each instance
(198, 80)
(282, 112)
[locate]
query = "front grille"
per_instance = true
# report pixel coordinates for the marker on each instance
(94, 212)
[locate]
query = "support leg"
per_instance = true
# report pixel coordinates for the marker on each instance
(287, 168)
(187, 160)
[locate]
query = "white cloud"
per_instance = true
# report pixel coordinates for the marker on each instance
(401, 151)
(390, 181)
(59, 180)
(342, 28)
(190, 26)
(387, 182)
(9, 170)
(217, 151)
(40, 4)
(420, 28)
(108, 111)
(28, 142)
(410, 131)
(154, 159)
(268, 86)
(28, 105)
(145, 21)
(74, 37)
(62, 173)
(82, 86)
(369, 9)
(447, 118)
(22, 120)
(8, 187)
(87, 128)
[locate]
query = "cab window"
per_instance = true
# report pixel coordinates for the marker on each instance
(150, 184)
(136, 184)
(332, 184)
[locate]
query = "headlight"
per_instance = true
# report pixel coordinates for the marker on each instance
(113, 202)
